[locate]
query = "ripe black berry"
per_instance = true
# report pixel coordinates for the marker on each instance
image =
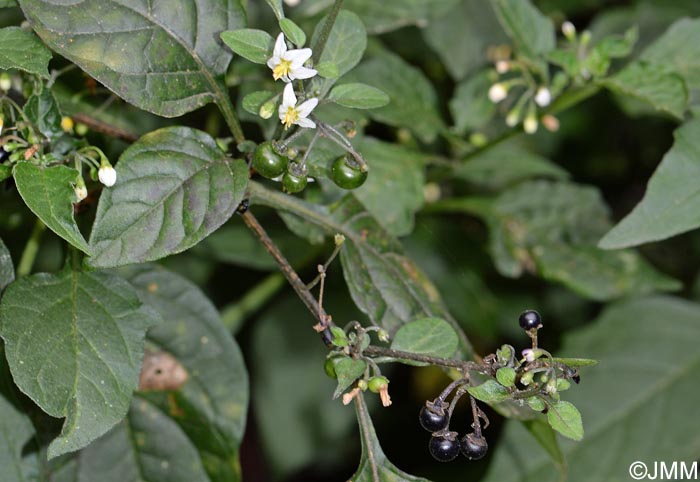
(443, 449)
(431, 420)
(474, 446)
(529, 320)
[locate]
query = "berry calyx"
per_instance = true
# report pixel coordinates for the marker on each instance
(431, 420)
(294, 179)
(474, 446)
(268, 162)
(530, 320)
(376, 384)
(443, 449)
(347, 174)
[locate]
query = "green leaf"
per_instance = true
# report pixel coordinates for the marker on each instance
(506, 376)
(348, 370)
(210, 408)
(358, 96)
(16, 429)
(157, 59)
(74, 343)
(344, 48)
(42, 109)
(656, 85)
(470, 106)
(615, 46)
(277, 8)
(7, 269)
(670, 203)
(251, 44)
(384, 284)
(552, 228)
(412, 97)
(616, 397)
(678, 49)
(24, 51)
(374, 465)
(327, 70)
(546, 437)
(8, 3)
(505, 164)
(174, 187)
(381, 17)
(489, 392)
(393, 192)
(5, 172)
(427, 336)
(531, 31)
(463, 35)
(565, 418)
(49, 193)
(293, 32)
(576, 362)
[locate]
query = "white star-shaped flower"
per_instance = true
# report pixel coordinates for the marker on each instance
(290, 113)
(288, 65)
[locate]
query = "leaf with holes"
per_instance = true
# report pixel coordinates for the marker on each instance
(174, 187)
(162, 57)
(74, 343)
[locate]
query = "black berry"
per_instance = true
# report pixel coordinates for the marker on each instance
(529, 320)
(474, 446)
(443, 449)
(431, 420)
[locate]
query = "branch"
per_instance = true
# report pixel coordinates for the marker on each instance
(105, 128)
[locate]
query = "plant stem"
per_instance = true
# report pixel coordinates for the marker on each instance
(105, 128)
(31, 249)
(320, 43)
(377, 351)
(234, 314)
(297, 284)
(227, 111)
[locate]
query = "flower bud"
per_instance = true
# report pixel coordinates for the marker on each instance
(107, 175)
(543, 97)
(67, 124)
(5, 82)
(568, 29)
(530, 124)
(502, 66)
(498, 92)
(80, 189)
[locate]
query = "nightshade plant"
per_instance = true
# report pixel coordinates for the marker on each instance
(154, 155)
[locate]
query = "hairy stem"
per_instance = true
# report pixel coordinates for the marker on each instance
(320, 43)
(31, 249)
(297, 284)
(377, 351)
(227, 110)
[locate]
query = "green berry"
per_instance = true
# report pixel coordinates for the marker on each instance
(346, 174)
(375, 384)
(268, 162)
(294, 179)
(329, 367)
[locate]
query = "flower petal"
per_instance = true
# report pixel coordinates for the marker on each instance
(280, 47)
(302, 73)
(288, 97)
(298, 57)
(304, 122)
(273, 62)
(306, 107)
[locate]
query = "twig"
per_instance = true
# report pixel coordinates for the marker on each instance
(31, 249)
(104, 128)
(297, 284)
(464, 365)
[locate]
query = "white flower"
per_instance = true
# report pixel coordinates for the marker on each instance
(529, 354)
(107, 175)
(80, 192)
(290, 113)
(288, 65)
(543, 97)
(498, 92)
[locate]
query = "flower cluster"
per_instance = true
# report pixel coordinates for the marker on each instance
(288, 65)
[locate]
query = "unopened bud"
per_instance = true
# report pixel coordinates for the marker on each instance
(5, 82)
(568, 29)
(530, 124)
(543, 97)
(498, 92)
(550, 122)
(502, 66)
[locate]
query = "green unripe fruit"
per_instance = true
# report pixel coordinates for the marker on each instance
(346, 174)
(329, 367)
(268, 162)
(376, 384)
(292, 183)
